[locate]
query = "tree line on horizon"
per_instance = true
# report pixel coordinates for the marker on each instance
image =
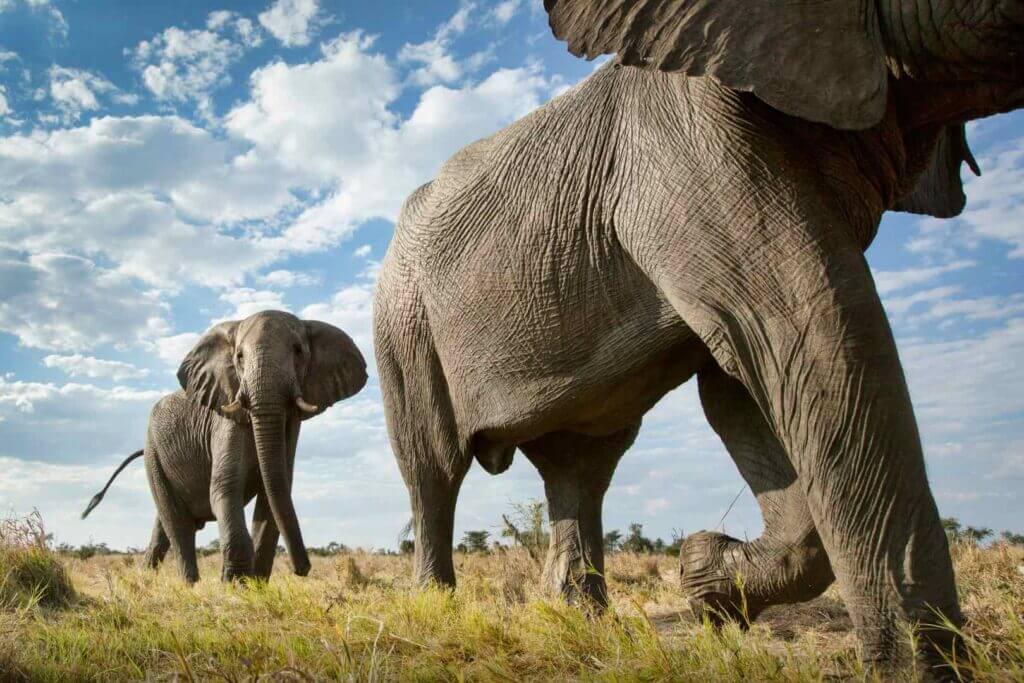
(526, 526)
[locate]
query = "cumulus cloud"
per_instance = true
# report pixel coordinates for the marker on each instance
(141, 191)
(181, 65)
(967, 382)
(504, 11)
(889, 281)
(74, 91)
(71, 422)
(293, 22)
(439, 64)
(345, 131)
(5, 109)
(172, 349)
(138, 193)
(63, 302)
(77, 365)
(246, 301)
(249, 34)
(289, 278)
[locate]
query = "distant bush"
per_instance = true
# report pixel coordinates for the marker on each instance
(330, 550)
(30, 572)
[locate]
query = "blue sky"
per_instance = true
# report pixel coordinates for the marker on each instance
(167, 165)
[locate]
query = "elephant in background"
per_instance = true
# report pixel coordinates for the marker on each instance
(700, 206)
(230, 435)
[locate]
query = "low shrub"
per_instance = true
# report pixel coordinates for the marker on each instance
(30, 572)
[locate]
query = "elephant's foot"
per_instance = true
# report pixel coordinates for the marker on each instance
(152, 559)
(567, 576)
(709, 576)
(236, 573)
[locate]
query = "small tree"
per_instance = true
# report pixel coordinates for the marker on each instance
(612, 540)
(476, 541)
(674, 547)
(1012, 538)
(952, 528)
(977, 534)
(635, 541)
(407, 546)
(527, 525)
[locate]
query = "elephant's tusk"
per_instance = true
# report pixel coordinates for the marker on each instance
(307, 407)
(232, 407)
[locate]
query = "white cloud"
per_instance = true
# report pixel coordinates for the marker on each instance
(75, 90)
(247, 301)
(173, 349)
(247, 32)
(77, 365)
(138, 193)
(363, 251)
(439, 64)
(5, 109)
(504, 11)
(322, 118)
(966, 385)
(180, 65)
(289, 278)
(65, 303)
(889, 281)
(331, 120)
(142, 192)
(53, 404)
(293, 22)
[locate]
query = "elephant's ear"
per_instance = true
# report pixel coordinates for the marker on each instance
(939, 191)
(821, 60)
(208, 372)
(336, 368)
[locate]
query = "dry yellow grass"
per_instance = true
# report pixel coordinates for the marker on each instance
(358, 617)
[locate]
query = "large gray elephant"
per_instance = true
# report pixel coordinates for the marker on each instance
(701, 206)
(230, 435)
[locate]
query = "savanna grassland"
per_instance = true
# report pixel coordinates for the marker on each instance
(358, 617)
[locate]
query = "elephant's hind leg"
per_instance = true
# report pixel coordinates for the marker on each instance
(159, 544)
(432, 458)
(178, 525)
(788, 562)
(577, 470)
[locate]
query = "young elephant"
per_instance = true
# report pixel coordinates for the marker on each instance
(231, 434)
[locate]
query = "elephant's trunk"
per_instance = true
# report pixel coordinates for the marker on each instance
(268, 426)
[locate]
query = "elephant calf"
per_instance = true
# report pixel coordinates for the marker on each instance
(230, 434)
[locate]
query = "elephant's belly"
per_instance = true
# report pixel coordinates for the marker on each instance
(603, 393)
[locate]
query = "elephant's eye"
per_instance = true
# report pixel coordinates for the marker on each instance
(238, 356)
(298, 349)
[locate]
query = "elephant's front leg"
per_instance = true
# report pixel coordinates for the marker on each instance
(227, 500)
(577, 470)
(789, 308)
(788, 562)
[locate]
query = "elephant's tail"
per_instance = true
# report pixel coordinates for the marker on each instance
(99, 496)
